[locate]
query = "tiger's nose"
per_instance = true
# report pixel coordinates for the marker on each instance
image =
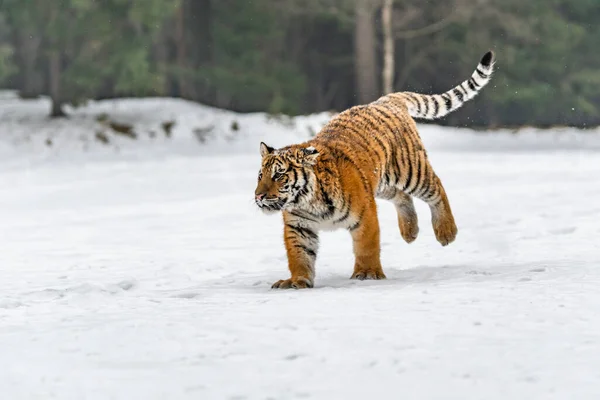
(260, 196)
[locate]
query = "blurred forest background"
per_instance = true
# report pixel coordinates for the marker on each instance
(303, 56)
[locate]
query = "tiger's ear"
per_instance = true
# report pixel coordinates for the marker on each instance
(310, 155)
(264, 149)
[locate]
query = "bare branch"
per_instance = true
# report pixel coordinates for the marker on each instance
(435, 27)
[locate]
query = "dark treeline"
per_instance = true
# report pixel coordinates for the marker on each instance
(302, 56)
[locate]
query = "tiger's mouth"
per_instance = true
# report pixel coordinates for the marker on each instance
(271, 206)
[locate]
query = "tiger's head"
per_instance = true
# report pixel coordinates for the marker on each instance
(285, 176)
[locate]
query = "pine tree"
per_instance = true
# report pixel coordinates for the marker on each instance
(88, 44)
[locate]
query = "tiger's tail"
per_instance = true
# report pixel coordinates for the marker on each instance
(439, 105)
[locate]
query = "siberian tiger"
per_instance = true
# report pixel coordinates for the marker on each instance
(366, 152)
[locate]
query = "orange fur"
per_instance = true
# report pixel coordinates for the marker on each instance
(366, 152)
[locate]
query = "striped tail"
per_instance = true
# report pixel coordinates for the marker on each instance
(437, 106)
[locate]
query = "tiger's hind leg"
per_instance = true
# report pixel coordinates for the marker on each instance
(408, 221)
(429, 188)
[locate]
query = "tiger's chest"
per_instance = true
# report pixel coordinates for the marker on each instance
(325, 217)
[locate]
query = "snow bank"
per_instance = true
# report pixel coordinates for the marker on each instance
(151, 280)
(28, 134)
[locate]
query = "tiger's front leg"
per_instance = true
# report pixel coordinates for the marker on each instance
(365, 237)
(301, 244)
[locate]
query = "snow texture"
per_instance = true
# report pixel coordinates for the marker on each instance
(145, 273)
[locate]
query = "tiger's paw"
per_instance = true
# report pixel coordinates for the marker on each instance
(409, 231)
(293, 283)
(445, 231)
(368, 274)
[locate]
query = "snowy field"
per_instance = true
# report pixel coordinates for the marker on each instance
(141, 269)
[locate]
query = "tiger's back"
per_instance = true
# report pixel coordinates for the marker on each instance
(383, 135)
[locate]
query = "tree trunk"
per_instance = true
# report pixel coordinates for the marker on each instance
(388, 47)
(198, 30)
(54, 83)
(365, 52)
(27, 53)
(180, 44)
(160, 52)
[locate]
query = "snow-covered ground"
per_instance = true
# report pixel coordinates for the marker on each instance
(145, 273)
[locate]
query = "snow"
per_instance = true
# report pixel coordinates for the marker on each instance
(145, 272)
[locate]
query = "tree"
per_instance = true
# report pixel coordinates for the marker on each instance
(89, 44)
(6, 51)
(302, 56)
(388, 47)
(247, 67)
(365, 51)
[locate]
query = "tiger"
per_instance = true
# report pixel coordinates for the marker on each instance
(367, 152)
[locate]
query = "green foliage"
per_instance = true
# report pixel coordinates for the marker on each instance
(296, 56)
(548, 67)
(99, 42)
(6, 65)
(249, 61)
(555, 77)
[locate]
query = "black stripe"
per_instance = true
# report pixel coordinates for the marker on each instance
(308, 251)
(426, 102)
(393, 157)
(365, 144)
(458, 94)
(417, 99)
(328, 203)
(358, 222)
(428, 196)
(418, 171)
(413, 157)
(435, 203)
(376, 137)
(436, 106)
(425, 181)
(406, 149)
(448, 101)
(472, 84)
(429, 188)
(296, 214)
(464, 89)
(295, 180)
(481, 74)
(304, 177)
(300, 190)
(416, 102)
(395, 165)
(382, 146)
(349, 126)
(346, 214)
(304, 232)
(382, 117)
(432, 191)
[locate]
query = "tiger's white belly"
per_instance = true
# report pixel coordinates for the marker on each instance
(339, 219)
